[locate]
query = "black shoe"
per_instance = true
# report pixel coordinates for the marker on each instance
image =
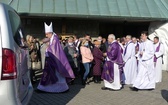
(114, 90)
(99, 79)
(97, 82)
(83, 82)
(104, 88)
(134, 88)
(71, 83)
(96, 79)
(150, 89)
(122, 87)
(87, 83)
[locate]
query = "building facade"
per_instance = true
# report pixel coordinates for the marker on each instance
(95, 17)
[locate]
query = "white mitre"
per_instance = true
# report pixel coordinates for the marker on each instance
(48, 28)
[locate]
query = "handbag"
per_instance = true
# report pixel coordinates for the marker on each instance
(36, 65)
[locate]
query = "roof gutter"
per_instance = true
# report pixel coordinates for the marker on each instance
(124, 18)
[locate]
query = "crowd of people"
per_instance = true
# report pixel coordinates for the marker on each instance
(115, 61)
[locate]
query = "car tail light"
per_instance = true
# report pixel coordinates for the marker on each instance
(8, 65)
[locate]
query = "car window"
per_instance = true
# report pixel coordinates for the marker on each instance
(16, 30)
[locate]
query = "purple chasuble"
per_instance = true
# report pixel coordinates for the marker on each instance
(115, 56)
(57, 60)
(157, 50)
(48, 76)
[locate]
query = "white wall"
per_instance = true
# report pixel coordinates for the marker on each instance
(160, 29)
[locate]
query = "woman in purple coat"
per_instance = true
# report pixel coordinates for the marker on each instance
(98, 59)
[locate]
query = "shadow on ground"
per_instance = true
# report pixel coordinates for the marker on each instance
(54, 98)
(164, 94)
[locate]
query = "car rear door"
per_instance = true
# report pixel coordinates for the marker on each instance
(24, 72)
(22, 56)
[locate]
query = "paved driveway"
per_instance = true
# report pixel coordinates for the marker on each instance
(93, 95)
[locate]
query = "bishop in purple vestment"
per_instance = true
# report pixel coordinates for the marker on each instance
(57, 70)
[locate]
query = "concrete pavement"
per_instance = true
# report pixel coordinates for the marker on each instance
(93, 95)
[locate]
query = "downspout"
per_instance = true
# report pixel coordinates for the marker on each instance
(10, 2)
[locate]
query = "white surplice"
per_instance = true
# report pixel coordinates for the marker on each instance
(158, 64)
(116, 83)
(130, 68)
(122, 48)
(146, 76)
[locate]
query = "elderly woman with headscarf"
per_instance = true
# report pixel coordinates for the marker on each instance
(98, 60)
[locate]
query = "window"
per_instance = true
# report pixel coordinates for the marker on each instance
(16, 30)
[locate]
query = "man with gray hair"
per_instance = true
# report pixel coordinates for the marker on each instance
(113, 66)
(130, 67)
